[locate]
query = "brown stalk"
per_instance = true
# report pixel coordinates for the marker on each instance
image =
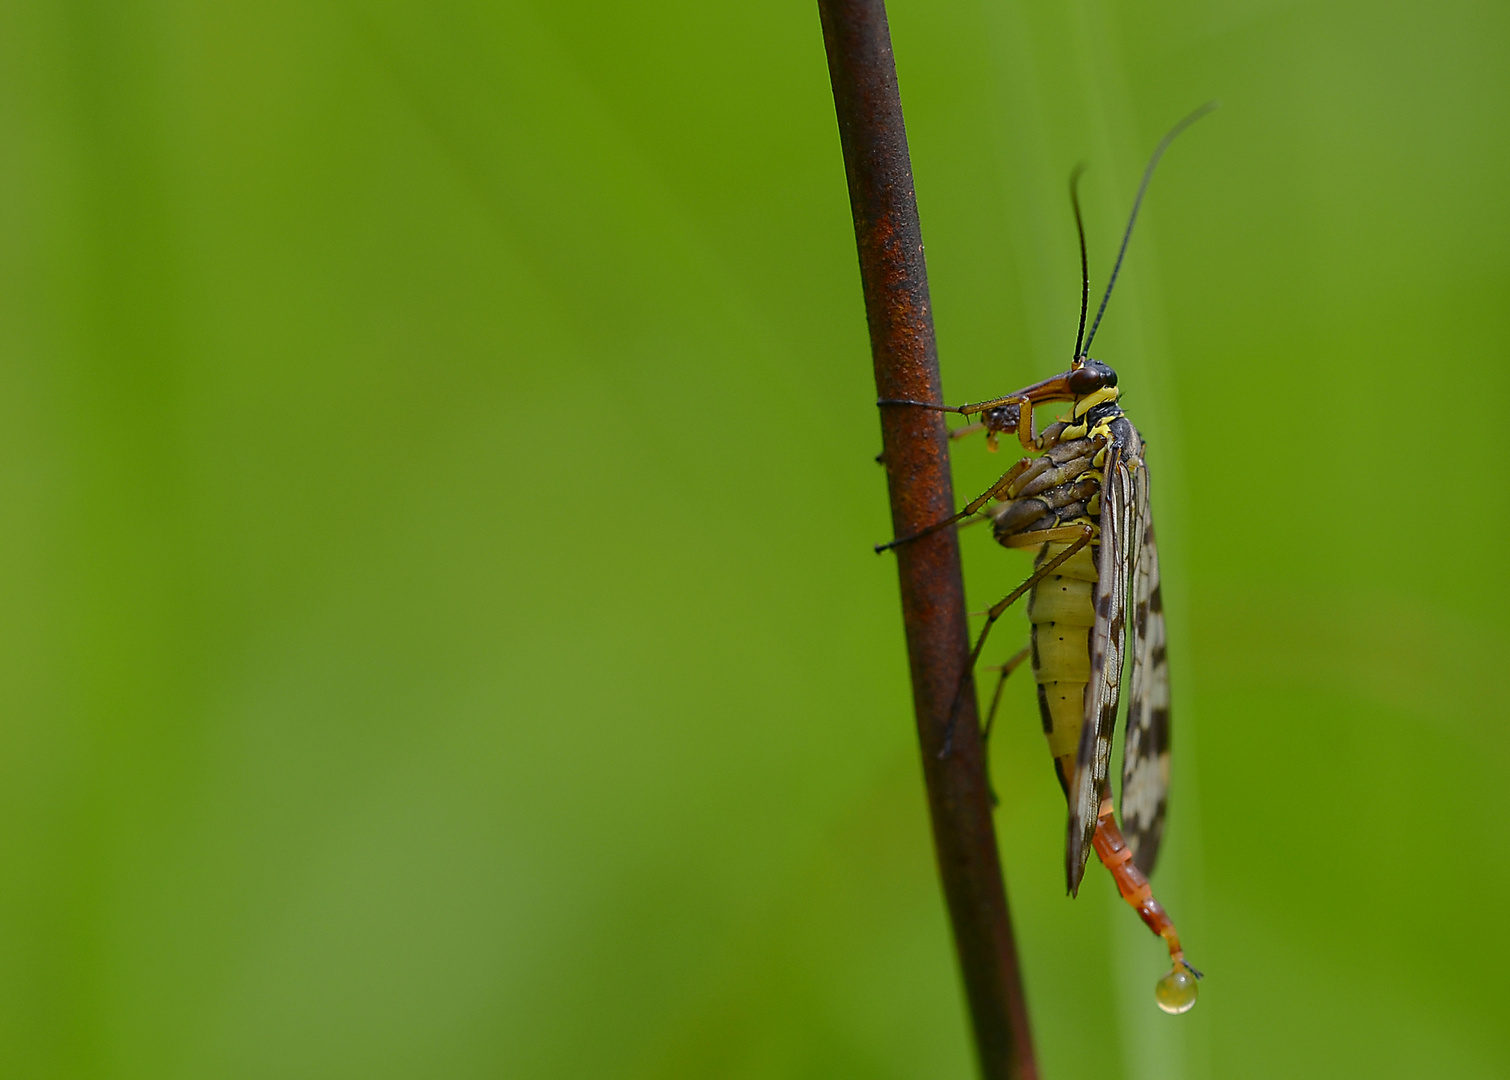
(915, 451)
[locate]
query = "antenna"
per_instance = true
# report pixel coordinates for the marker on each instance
(1137, 202)
(1085, 270)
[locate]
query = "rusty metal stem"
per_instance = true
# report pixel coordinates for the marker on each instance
(915, 451)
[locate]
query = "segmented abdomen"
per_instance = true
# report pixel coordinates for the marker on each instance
(1062, 610)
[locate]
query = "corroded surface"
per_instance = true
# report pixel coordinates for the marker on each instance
(915, 453)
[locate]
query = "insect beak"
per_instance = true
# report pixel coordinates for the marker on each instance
(1055, 388)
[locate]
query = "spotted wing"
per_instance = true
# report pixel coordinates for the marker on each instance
(1108, 641)
(1145, 758)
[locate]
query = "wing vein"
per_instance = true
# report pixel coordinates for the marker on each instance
(1108, 641)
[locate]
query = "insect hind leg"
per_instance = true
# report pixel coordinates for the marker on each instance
(985, 731)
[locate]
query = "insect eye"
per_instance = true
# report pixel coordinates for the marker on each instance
(1086, 380)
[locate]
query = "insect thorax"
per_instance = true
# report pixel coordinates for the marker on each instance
(1063, 486)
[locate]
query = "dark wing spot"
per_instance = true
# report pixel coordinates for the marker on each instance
(1159, 729)
(1085, 753)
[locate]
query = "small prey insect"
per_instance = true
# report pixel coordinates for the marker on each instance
(1080, 498)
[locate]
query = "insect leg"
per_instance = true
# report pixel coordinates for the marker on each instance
(970, 508)
(1026, 433)
(985, 731)
(962, 410)
(1085, 532)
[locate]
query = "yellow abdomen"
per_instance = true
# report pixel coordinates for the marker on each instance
(1062, 609)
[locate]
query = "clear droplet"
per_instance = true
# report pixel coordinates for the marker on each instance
(1176, 991)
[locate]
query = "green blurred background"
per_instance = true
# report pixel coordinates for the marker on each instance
(440, 635)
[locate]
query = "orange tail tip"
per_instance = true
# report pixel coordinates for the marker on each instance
(1176, 991)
